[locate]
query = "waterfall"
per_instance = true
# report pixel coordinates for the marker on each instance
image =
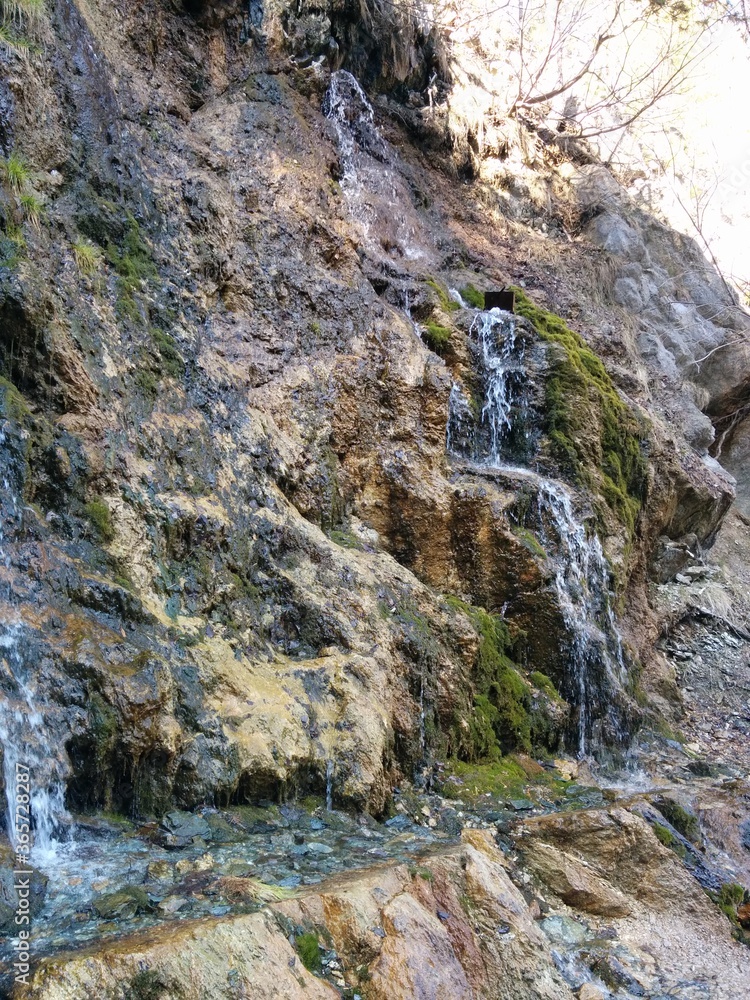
(377, 197)
(501, 433)
(582, 584)
(24, 737)
(500, 437)
(503, 361)
(26, 746)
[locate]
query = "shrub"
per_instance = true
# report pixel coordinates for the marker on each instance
(32, 209)
(87, 257)
(16, 172)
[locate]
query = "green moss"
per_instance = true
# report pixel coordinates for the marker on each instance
(447, 304)
(683, 821)
(472, 296)
(171, 359)
(580, 396)
(731, 894)
(502, 697)
(665, 835)
(100, 516)
(437, 337)
(346, 539)
(543, 682)
(529, 540)
(12, 404)
(12, 246)
(308, 949)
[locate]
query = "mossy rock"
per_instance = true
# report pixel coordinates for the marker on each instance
(594, 435)
(98, 512)
(500, 720)
(472, 296)
(447, 304)
(308, 948)
(12, 404)
(123, 904)
(437, 337)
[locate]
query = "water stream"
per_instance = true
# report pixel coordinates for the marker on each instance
(497, 434)
(24, 737)
(377, 198)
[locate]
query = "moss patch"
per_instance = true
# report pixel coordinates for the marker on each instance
(593, 434)
(472, 297)
(437, 337)
(447, 304)
(12, 404)
(505, 778)
(100, 516)
(500, 720)
(308, 949)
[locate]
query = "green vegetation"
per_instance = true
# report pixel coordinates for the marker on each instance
(543, 682)
(529, 540)
(100, 516)
(509, 777)
(88, 257)
(728, 898)
(437, 337)
(500, 720)
(346, 539)
(13, 42)
(12, 404)
(171, 359)
(580, 399)
(447, 304)
(472, 297)
(12, 245)
(16, 173)
(308, 948)
(683, 821)
(30, 10)
(32, 209)
(665, 835)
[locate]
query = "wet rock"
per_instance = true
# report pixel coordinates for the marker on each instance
(171, 905)
(123, 904)
(563, 929)
(315, 847)
(9, 891)
(221, 830)
(160, 871)
(181, 829)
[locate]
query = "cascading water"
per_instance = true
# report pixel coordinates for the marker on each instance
(582, 583)
(23, 735)
(500, 438)
(26, 746)
(501, 434)
(376, 195)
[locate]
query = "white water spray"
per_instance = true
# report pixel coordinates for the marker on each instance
(24, 736)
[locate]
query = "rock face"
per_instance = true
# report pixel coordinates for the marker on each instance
(238, 302)
(225, 418)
